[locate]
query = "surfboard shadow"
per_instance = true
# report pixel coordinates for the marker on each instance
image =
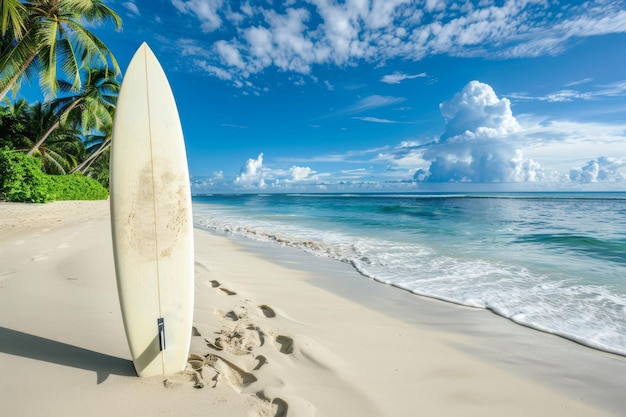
(26, 345)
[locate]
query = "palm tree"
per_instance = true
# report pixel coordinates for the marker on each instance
(64, 148)
(54, 36)
(7, 46)
(14, 121)
(96, 146)
(12, 13)
(62, 153)
(98, 168)
(90, 108)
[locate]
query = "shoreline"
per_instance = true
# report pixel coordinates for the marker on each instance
(300, 335)
(486, 335)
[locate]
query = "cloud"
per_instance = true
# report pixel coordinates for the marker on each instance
(374, 120)
(283, 42)
(478, 143)
(229, 54)
(615, 89)
(579, 82)
(587, 19)
(213, 70)
(251, 173)
(372, 102)
(205, 10)
(299, 173)
(477, 110)
(190, 47)
(483, 144)
(600, 169)
(365, 104)
(398, 77)
(299, 34)
(255, 175)
(132, 7)
(208, 182)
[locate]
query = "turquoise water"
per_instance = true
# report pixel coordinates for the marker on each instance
(554, 262)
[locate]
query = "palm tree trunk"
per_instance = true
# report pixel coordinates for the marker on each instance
(84, 166)
(44, 137)
(16, 76)
(52, 129)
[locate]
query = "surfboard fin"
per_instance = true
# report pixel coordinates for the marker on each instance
(161, 325)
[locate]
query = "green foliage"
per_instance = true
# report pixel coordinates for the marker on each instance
(14, 124)
(46, 36)
(99, 170)
(21, 178)
(76, 187)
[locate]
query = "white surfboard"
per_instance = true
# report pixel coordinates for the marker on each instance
(151, 219)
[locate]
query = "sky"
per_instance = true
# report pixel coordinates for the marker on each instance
(391, 95)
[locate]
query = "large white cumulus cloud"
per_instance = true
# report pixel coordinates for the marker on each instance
(599, 169)
(478, 144)
(255, 175)
(478, 109)
(251, 173)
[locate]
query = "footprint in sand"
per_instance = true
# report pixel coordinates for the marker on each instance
(281, 407)
(267, 311)
(261, 360)
(234, 375)
(231, 315)
(216, 284)
(39, 257)
(240, 340)
(258, 333)
(284, 344)
(195, 332)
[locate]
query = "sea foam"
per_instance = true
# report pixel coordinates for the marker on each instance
(519, 258)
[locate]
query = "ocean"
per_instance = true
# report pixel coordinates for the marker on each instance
(555, 262)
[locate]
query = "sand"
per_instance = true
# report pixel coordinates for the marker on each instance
(276, 333)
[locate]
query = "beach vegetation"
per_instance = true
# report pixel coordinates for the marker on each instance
(76, 187)
(70, 132)
(47, 35)
(88, 107)
(62, 151)
(22, 179)
(14, 123)
(12, 18)
(96, 165)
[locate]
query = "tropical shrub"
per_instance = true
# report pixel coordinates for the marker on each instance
(76, 187)
(21, 178)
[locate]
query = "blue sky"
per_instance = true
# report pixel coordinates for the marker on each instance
(391, 95)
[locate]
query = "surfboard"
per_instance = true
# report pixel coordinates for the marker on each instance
(151, 219)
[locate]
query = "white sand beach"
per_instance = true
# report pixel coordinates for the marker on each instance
(276, 333)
